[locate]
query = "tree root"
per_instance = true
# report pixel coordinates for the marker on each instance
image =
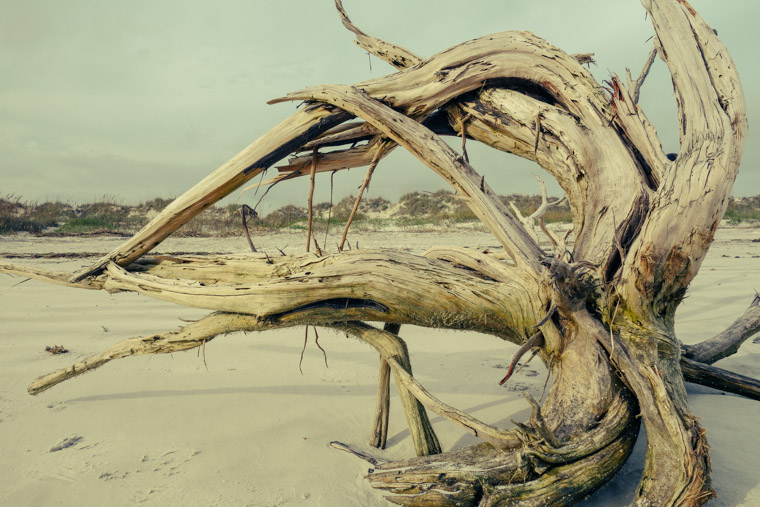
(718, 378)
(484, 475)
(393, 350)
(379, 433)
(188, 337)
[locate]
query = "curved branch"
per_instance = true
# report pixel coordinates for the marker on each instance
(567, 88)
(436, 154)
(566, 485)
(393, 351)
(727, 342)
(553, 84)
(391, 53)
(605, 430)
(704, 75)
(500, 439)
(384, 286)
(485, 475)
(694, 191)
(677, 467)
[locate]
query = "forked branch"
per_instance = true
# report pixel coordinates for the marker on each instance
(437, 155)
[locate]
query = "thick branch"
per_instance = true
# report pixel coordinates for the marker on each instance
(677, 466)
(566, 485)
(718, 378)
(600, 433)
(484, 475)
(386, 286)
(694, 191)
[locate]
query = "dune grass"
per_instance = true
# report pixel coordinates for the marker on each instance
(415, 209)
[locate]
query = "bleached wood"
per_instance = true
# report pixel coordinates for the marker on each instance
(437, 155)
(694, 191)
(191, 336)
(394, 287)
(379, 432)
(393, 54)
(643, 224)
(383, 341)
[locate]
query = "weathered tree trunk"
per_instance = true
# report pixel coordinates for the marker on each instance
(599, 312)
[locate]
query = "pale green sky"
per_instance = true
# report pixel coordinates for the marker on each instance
(144, 98)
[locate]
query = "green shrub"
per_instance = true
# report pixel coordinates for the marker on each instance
(741, 209)
(86, 225)
(416, 209)
(285, 217)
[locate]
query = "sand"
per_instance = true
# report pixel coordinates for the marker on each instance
(251, 429)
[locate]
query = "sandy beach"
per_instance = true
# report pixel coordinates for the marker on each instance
(248, 428)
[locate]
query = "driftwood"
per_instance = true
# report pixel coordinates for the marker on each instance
(600, 309)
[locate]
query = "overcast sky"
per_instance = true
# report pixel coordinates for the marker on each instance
(142, 99)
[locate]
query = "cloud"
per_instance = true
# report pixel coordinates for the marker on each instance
(167, 91)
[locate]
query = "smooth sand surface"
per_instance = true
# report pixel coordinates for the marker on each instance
(251, 429)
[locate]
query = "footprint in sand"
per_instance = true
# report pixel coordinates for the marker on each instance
(58, 406)
(167, 464)
(516, 386)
